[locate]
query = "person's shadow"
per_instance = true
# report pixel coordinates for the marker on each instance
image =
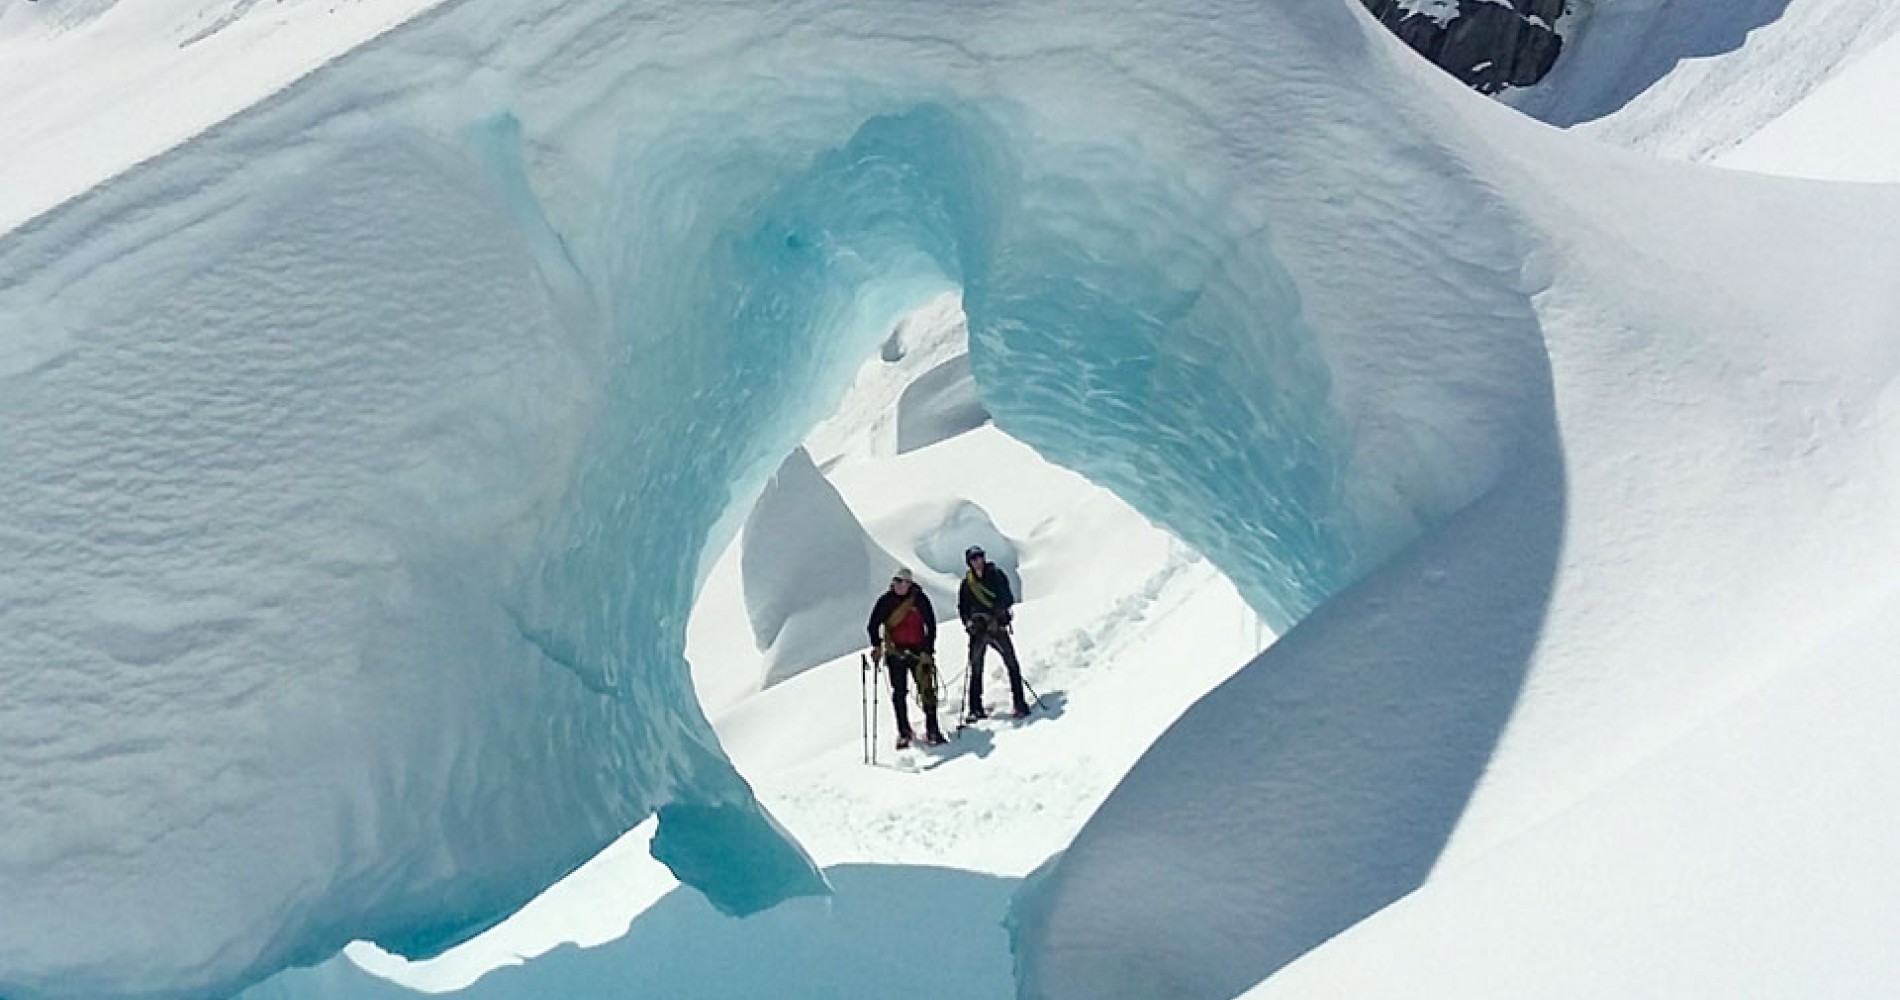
(978, 739)
(969, 741)
(1047, 707)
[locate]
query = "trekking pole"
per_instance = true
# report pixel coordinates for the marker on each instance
(864, 709)
(1010, 627)
(1032, 693)
(877, 689)
(963, 681)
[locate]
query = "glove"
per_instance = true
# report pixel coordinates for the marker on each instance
(877, 654)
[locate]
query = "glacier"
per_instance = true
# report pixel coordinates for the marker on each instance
(362, 454)
(360, 458)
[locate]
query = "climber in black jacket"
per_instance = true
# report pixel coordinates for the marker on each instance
(983, 602)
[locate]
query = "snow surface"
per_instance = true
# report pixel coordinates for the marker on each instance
(90, 87)
(360, 460)
(1774, 810)
(1846, 129)
(1693, 80)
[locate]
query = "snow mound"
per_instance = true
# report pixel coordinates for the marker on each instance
(941, 404)
(941, 532)
(1331, 771)
(807, 565)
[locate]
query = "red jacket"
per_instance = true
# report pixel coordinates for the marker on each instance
(915, 629)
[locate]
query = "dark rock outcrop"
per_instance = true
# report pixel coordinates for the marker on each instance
(1488, 44)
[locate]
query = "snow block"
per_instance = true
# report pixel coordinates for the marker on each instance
(941, 404)
(811, 572)
(946, 530)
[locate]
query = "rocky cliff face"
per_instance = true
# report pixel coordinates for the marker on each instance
(1489, 44)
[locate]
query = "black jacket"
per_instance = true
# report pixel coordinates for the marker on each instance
(881, 613)
(996, 582)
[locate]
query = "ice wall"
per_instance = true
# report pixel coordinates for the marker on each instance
(360, 457)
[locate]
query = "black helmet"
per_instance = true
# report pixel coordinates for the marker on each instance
(973, 552)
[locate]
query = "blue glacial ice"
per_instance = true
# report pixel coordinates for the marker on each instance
(390, 425)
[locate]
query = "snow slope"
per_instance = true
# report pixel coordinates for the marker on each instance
(1844, 130)
(1747, 858)
(1690, 80)
(90, 87)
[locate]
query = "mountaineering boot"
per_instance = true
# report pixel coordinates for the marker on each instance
(934, 738)
(903, 741)
(977, 714)
(1022, 711)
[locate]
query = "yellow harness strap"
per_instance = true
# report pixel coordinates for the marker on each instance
(978, 591)
(899, 613)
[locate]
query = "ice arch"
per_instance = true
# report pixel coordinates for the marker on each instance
(1118, 321)
(471, 343)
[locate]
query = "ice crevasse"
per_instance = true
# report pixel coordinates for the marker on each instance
(359, 458)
